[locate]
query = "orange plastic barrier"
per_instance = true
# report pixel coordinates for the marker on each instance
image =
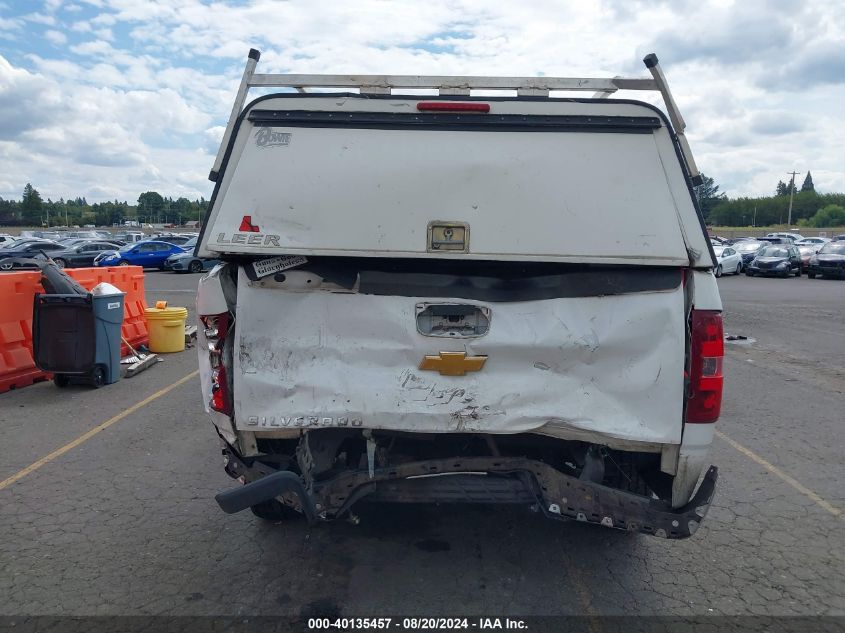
(17, 294)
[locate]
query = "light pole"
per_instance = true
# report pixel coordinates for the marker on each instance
(791, 190)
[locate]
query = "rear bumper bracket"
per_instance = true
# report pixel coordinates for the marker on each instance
(508, 480)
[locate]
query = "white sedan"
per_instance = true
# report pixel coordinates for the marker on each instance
(727, 260)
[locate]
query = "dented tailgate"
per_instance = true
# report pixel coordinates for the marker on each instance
(309, 354)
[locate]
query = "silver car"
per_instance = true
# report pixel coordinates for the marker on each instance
(728, 260)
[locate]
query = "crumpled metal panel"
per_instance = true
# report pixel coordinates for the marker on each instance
(611, 365)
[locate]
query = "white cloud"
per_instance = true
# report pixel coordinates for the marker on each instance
(10, 24)
(56, 37)
(92, 47)
(213, 136)
(40, 18)
(78, 136)
(759, 82)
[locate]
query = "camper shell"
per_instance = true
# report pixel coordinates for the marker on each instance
(461, 297)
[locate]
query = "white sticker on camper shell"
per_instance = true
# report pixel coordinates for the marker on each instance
(264, 267)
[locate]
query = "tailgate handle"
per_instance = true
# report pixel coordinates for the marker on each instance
(452, 320)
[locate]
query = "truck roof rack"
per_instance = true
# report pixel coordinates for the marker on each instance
(459, 85)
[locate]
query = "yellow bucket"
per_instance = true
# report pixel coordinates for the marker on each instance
(167, 329)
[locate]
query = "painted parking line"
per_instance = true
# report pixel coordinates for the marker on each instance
(88, 435)
(818, 500)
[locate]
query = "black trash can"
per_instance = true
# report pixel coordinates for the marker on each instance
(77, 337)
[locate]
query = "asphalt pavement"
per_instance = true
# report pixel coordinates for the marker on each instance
(123, 522)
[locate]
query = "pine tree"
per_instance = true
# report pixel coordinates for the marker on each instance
(784, 187)
(808, 183)
(708, 195)
(31, 205)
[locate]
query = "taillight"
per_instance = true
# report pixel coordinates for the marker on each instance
(452, 106)
(707, 349)
(216, 327)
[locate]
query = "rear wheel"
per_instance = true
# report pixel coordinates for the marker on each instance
(61, 380)
(195, 266)
(811, 275)
(749, 273)
(739, 267)
(719, 270)
(60, 262)
(122, 262)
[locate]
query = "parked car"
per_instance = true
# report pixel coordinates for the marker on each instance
(76, 241)
(775, 240)
(807, 251)
(149, 254)
(812, 240)
(792, 235)
(838, 238)
(27, 249)
(187, 263)
(829, 261)
(748, 249)
(781, 260)
(20, 242)
(92, 235)
(49, 235)
(130, 236)
(728, 260)
(82, 254)
(5, 238)
(178, 239)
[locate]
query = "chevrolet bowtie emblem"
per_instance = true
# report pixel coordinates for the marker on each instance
(453, 363)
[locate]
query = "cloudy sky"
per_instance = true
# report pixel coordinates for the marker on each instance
(110, 98)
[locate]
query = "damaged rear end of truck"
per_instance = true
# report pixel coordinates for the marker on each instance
(460, 298)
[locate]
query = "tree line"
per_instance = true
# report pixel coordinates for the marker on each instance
(809, 207)
(151, 208)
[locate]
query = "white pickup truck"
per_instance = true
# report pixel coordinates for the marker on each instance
(429, 294)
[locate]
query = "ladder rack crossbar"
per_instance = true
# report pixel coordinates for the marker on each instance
(459, 85)
(588, 84)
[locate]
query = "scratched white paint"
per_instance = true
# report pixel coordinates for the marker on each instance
(612, 365)
(573, 196)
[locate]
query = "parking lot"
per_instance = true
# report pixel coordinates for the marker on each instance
(106, 504)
